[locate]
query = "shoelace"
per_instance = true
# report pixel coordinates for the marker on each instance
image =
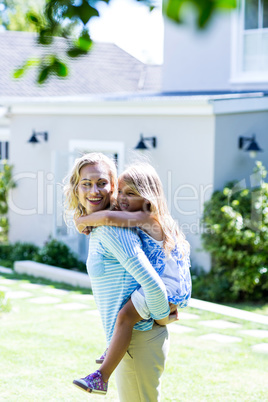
(93, 376)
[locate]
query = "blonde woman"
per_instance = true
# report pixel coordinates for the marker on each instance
(142, 204)
(117, 265)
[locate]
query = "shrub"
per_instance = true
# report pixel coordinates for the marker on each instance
(23, 251)
(58, 254)
(5, 251)
(53, 252)
(236, 236)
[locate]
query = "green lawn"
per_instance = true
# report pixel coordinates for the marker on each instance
(44, 347)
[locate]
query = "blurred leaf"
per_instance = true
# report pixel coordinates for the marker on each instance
(84, 41)
(85, 12)
(205, 12)
(172, 9)
(19, 72)
(44, 72)
(227, 4)
(60, 68)
(45, 37)
(76, 52)
(33, 18)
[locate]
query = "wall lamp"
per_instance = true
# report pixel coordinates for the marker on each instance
(141, 144)
(252, 148)
(34, 140)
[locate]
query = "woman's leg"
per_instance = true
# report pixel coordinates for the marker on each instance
(138, 374)
(126, 319)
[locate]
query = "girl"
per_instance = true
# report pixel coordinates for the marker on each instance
(142, 205)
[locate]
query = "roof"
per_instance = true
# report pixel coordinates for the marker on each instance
(106, 69)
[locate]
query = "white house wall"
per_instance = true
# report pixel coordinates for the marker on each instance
(197, 60)
(209, 59)
(184, 158)
(231, 163)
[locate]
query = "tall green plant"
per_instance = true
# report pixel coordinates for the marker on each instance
(236, 236)
(6, 183)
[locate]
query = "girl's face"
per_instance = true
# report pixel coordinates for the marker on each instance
(128, 200)
(94, 187)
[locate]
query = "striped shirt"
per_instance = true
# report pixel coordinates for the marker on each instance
(117, 265)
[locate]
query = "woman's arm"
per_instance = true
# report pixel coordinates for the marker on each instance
(113, 218)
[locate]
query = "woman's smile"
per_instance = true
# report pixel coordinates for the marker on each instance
(94, 188)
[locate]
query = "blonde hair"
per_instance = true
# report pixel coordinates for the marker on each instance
(72, 203)
(143, 179)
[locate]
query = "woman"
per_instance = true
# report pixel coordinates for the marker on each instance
(116, 265)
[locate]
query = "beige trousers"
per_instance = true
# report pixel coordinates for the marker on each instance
(138, 374)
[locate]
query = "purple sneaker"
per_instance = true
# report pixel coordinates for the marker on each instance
(92, 383)
(101, 359)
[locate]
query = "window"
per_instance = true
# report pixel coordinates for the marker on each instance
(251, 50)
(4, 150)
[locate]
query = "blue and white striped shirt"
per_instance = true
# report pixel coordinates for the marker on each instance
(117, 265)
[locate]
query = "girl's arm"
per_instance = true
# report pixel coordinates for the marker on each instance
(125, 246)
(113, 218)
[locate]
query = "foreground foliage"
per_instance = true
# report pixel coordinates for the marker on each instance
(237, 239)
(59, 18)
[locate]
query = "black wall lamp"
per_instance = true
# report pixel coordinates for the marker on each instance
(141, 144)
(34, 140)
(252, 148)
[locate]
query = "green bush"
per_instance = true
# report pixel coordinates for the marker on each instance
(23, 251)
(58, 254)
(53, 252)
(236, 235)
(5, 251)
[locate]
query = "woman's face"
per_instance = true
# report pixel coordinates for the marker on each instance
(94, 187)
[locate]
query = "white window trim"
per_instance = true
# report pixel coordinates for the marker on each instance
(117, 147)
(237, 75)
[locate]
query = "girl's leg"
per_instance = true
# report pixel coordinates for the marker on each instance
(126, 319)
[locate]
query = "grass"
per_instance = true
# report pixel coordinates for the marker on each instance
(43, 348)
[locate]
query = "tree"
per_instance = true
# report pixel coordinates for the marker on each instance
(58, 16)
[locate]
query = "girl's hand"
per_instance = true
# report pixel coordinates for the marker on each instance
(173, 316)
(173, 307)
(80, 226)
(87, 230)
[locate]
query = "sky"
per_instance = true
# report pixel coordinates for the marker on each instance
(131, 26)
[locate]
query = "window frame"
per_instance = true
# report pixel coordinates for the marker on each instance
(237, 49)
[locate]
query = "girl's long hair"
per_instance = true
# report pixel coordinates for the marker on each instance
(143, 179)
(70, 189)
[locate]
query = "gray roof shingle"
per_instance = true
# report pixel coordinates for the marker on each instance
(106, 69)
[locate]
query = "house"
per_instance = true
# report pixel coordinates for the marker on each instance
(197, 124)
